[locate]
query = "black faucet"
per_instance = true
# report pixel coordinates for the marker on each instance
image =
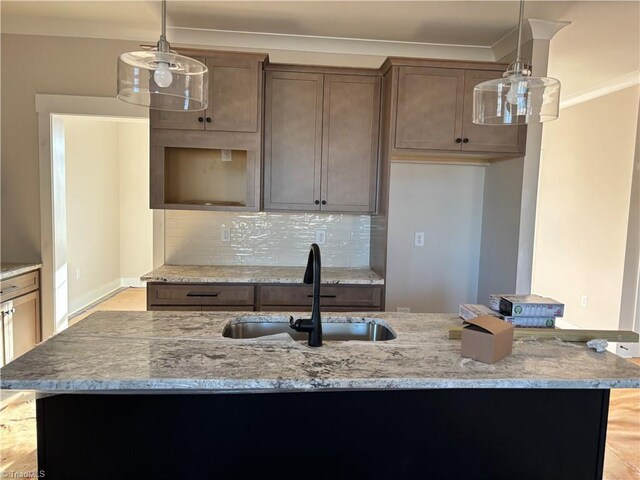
(312, 325)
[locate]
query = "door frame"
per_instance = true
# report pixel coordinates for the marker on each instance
(50, 109)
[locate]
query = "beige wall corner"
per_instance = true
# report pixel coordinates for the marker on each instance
(583, 207)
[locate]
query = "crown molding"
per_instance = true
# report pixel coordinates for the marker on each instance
(600, 90)
(257, 41)
(533, 29)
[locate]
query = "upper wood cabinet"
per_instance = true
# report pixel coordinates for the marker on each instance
(321, 141)
(234, 98)
(433, 112)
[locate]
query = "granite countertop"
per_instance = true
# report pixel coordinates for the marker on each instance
(185, 352)
(8, 270)
(258, 274)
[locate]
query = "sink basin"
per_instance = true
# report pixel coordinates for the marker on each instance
(333, 329)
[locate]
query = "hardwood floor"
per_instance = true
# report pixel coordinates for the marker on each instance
(18, 424)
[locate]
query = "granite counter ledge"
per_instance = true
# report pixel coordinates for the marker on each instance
(10, 269)
(259, 274)
(414, 387)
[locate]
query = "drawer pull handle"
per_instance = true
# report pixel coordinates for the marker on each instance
(323, 296)
(201, 294)
(12, 287)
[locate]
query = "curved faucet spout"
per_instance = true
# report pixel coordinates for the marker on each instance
(312, 277)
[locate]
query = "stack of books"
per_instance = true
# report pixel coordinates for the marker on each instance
(529, 311)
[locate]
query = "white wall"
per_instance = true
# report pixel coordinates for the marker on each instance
(445, 202)
(583, 207)
(93, 214)
(109, 223)
(136, 218)
(500, 228)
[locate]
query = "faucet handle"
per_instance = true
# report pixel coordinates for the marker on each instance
(301, 324)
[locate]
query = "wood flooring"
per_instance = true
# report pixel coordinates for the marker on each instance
(18, 424)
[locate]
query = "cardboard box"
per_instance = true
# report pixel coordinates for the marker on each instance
(494, 300)
(487, 339)
(468, 311)
(530, 306)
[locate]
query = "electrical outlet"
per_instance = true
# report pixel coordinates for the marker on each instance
(403, 310)
(225, 235)
(584, 301)
(77, 274)
(226, 155)
(321, 237)
(419, 239)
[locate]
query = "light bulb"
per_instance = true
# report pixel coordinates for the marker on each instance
(162, 75)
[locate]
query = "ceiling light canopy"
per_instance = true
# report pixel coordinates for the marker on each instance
(161, 79)
(517, 98)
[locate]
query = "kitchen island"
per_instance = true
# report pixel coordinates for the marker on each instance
(198, 403)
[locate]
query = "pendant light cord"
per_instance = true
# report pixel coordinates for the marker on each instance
(163, 44)
(520, 20)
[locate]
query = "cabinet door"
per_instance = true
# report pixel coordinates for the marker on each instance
(21, 325)
(429, 108)
(485, 138)
(293, 141)
(179, 120)
(233, 94)
(350, 143)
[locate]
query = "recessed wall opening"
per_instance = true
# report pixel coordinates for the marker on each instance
(202, 176)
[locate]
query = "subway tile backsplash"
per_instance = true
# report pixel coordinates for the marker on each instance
(264, 238)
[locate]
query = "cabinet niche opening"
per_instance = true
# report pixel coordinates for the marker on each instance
(201, 176)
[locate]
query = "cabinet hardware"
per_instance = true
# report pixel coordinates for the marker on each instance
(465, 140)
(208, 119)
(8, 289)
(323, 296)
(317, 202)
(201, 119)
(458, 140)
(324, 202)
(201, 294)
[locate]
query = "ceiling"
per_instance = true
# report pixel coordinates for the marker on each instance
(602, 42)
(441, 22)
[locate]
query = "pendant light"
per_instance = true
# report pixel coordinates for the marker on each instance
(517, 98)
(161, 79)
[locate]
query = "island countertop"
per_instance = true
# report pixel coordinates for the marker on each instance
(185, 352)
(258, 274)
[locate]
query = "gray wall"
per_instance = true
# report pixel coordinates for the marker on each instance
(500, 228)
(445, 202)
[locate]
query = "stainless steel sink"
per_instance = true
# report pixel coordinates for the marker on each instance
(333, 329)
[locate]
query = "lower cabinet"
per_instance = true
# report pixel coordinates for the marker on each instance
(261, 297)
(20, 330)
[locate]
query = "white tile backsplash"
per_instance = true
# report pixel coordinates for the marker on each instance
(264, 238)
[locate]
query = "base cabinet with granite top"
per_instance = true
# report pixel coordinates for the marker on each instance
(261, 297)
(20, 330)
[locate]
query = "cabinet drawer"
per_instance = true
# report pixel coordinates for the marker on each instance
(323, 308)
(199, 294)
(16, 286)
(336, 296)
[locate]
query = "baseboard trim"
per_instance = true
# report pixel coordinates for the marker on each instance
(85, 302)
(132, 282)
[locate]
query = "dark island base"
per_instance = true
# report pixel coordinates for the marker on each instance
(402, 434)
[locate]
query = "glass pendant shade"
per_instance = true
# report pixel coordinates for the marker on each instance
(162, 80)
(516, 99)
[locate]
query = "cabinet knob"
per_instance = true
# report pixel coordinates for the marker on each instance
(208, 119)
(465, 140)
(324, 202)
(201, 119)
(458, 140)
(317, 202)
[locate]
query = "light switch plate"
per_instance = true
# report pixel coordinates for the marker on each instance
(225, 235)
(226, 155)
(584, 301)
(419, 239)
(321, 237)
